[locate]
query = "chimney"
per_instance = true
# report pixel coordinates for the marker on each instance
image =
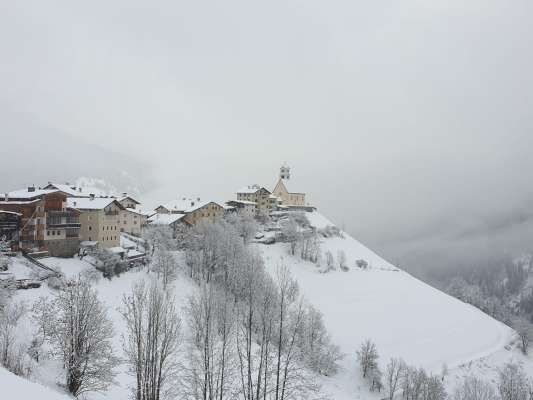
(198, 199)
(31, 188)
(74, 204)
(79, 189)
(91, 195)
(6, 196)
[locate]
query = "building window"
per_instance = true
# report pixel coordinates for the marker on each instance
(90, 228)
(48, 233)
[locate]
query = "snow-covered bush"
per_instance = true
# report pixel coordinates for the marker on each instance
(341, 260)
(319, 353)
(54, 283)
(12, 351)
(330, 231)
(362, 264)
(109, 263)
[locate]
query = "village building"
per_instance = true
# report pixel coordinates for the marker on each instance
(281, 190)
(264, 201)
(100, 220)
(10, 227)
(173, 221)
(243, 207)
(132, 219)
(128, 201)
(47, 223)
(206, 211)
(193, 210)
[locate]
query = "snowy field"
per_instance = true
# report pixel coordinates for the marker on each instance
(403, 316)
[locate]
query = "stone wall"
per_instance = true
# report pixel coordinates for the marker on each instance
(63, 248)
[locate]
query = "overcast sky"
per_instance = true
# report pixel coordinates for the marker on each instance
(408, 121)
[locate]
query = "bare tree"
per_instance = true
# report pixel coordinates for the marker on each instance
(76, 325)
(525, 332)
(291, 233)
(367, 356)
(210, 369)
(330, 260)
(473, 388)
(152, 340)
(393, 375)
(512, 383)
(318, 352)
(165, 265)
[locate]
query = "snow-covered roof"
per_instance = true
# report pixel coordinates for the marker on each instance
(244, 202)
(87, 203)
(198, 205)
(26, 194)
(10, 212)
(165, 219)
(88, 243)
(19, 202)
(70, 190)
(185, 205)
(182, 204)
(117, 250)
(140, 212)
(122, 198)
(250, 189)
(288, 185)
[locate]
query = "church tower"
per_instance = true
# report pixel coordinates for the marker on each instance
(285, 172)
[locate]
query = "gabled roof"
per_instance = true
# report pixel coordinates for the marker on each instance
(165, 219)
(286, 184)
(200, 205)
(26, 194)
(88, 203)
(184, 204)
(251, 189)
(122, 198)
(141, 212)
(69, 190)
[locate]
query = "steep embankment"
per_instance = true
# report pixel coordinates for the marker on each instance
(402, 315)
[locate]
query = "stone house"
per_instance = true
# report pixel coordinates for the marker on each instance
(100, 220)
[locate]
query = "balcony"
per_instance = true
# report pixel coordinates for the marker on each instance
(62, 220)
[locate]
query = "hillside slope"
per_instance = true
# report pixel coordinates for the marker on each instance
(402, 315)
(19, 388)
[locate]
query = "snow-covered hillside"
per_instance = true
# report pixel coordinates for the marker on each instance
(402, 315)
(14, 387)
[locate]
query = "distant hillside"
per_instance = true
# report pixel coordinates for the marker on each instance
(33, 153)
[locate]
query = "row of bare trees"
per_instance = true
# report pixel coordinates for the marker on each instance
(251, 332)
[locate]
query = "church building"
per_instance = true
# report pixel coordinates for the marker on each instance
(281, 190)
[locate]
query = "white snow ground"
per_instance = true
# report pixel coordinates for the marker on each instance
(403, 316)
(14, 387)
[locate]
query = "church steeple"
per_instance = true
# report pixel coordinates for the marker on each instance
(285, 172)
